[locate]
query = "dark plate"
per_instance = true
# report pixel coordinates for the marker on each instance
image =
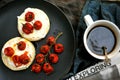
(59, 23)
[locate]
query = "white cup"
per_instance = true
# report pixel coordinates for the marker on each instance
(92, 24)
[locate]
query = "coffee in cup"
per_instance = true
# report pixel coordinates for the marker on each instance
(99, 34)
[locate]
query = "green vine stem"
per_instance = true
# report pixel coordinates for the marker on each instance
(59, 34)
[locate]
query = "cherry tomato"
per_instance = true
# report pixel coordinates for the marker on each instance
(48, 68)
(44, 49)
(9, 51)
(58, 48)
(51, 40)
(40, 58)
(27, 28)
(36, 68)
(21, 45)
(24, 59)
(29, 16)
(53, 58)
(37, 25)
(16, 60)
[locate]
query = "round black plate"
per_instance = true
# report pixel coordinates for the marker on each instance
(59, 23)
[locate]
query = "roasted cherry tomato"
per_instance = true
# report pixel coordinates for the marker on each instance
(40, 58)
(16, 60)
(21, 45)
(37, 25)
(58, 48)
(27, 28)
(53, 58)
(29, 16)
(51, 40)
(36, 68)
(48, 68)
(44, 49)
(9, 51)
(24, 59)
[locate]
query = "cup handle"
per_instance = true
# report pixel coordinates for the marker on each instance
(88, 20)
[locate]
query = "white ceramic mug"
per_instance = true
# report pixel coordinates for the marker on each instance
(92, 24)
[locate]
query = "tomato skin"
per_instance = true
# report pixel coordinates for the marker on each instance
(27, 28)
(48, 68)
(21, 45)
(36, 68)
(58, 48)
(16, 60)
(51, 40)
(29, 16)
(40, 58)
(44, 49)
(9, 51)
(53, 58)
(20, 60)
(37, 25)
(24, 59)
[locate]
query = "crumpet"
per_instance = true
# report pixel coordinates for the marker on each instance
(18, 53)
(27, 24)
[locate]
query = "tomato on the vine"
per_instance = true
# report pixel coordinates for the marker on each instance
(58, 48)
(53, 58)
(36, 68)
(44, 49)
(48, 68)
(40, 58)
(51, 40)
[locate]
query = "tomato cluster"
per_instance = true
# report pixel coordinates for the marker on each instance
(28, 27)
(48, 55)
(18, 60)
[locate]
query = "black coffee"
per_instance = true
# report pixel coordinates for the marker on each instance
(100, 37)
